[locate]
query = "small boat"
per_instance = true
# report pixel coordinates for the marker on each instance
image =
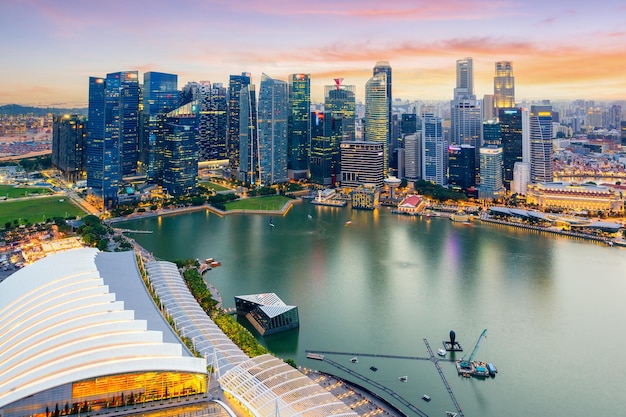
(354, 360)
(426, 398)
(441, 352)
(271, 222)
(403, 378)
(492, 369)
(310, 217)
(373, 368)
(349, 222)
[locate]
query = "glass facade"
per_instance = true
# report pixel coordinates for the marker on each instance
(325, 152)
(434, 150)
(361, 163)
(462, 166)
(180, 167)
(340, 102)
(236, 83)
(212, 121)
(511, 131)
(504, 85)
(112, 392)
(248, 142)
(541, 144)
(272, 131)
(377, 122)
(69, 134)
(491, 186)
(299, 132)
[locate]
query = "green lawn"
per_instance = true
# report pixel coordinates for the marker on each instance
(33, 210)
(10, 191)
(270, 202)
(214, 186)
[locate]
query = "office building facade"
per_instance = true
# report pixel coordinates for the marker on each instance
(361, 164)
(235, 85)
(541, 144)
(180, 159)
(273, 112)
(462, 166)
(212, 121)
(325, 150)
(511, 129)
(377, 123)
(299, 127)
(504, 86)
(69, 134)
(383, 67)
(491, 185)
(248, 166)
(413, 156)
(341, 103)
(434, 150)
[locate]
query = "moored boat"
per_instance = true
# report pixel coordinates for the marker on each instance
(441, 352)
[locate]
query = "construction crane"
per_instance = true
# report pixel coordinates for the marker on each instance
(467, 364)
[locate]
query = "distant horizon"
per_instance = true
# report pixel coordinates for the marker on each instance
(559, 50)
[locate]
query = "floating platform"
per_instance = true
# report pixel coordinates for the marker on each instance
(474, 368)
(452, 347)
(316, 356)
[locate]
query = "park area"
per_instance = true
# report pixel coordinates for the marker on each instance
(36, 210)
(10, 191)
(214, 186)
(270, 202)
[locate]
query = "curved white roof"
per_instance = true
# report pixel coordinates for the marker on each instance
(62, 322)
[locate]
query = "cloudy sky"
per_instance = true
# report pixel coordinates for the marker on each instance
(560, 49)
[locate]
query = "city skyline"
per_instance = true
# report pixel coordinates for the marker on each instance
(559, 50)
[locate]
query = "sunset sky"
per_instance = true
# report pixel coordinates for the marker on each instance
(560, 49)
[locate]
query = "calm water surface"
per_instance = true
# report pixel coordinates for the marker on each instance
(554, 307)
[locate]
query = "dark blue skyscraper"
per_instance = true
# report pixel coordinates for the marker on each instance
(213, 121)
(180, 158)
(68, 145)
(340, 102)
(325, 150)
(462, 166)
(160, 95)
(511, 131)
(248, 166)
(299, 130)
(236, 83)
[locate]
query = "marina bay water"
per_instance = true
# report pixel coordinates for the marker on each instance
(377, 282)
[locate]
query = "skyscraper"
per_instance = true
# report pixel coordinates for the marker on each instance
(180, 157)
(68, 145)
(462, 166)
(377, 121)
(212, 122)
(340, 102)
(465, 112)
(413, 156)
(541, 144)
(511, 127)
(504, 86)
(248, 166)
(236, 83)
(362, 163)
(384, 67)
(325, 152)
(160, 95)
(492, 133)
(434, 150)
(299, 128)
(491, 187)
(112, 133)
(272, 122)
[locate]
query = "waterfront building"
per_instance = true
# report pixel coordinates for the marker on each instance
(112, 133)
(340, 102)
(366, 197)
(325, 151)
(412, 166)
(504, 86)
(299, 126)
(361, 163)
(434, 150)
(377, 123)
(462, 166)
(491, 185)
(248, 166)
(159, 95)
(180, 158)
(272, 130)
(512, 135)
(412, 204)
(267, 313)
(521, 178)
(541, 143)
(465, 111)
(81, 331)
(235, 84)
(69, 133)
(577, 197)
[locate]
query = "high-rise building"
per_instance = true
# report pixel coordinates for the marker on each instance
(462, 166)
(212, 122)
(377, 114)
(248, 166)
(504, 86)
(511, 126)
(180, 157)
(235, 84)
(623, 132)
(112, 133)
(325, 151)
(340, 102)
(159, 95)
(299, 128)
(541, 144)
(492, 133)
(465, 112)
(69, 134)
(408, 123)
(361, 164)
(384, 67)
(273, 111)
(487, 107)
(491, 186)
(521, 178)
(434, 150)
(413, 156)
(615, 116)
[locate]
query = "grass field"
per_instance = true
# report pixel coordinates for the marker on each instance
(270, 202)
(33, 210)
(10, 191)
(214, 186)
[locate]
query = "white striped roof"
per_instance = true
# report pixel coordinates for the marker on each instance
(62, 323)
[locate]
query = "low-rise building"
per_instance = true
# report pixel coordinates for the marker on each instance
(577, 197)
